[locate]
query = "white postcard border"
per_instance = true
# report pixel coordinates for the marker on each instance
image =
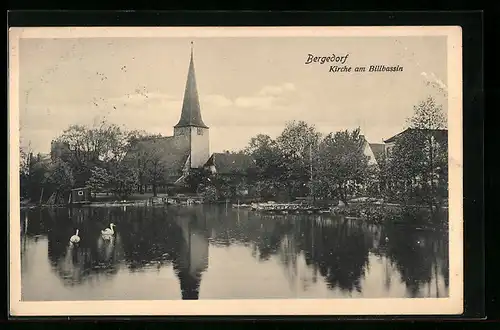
(406, 306)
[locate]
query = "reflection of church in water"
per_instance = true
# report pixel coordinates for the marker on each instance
(192, 259)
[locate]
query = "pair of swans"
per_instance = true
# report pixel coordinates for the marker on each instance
(106, 233)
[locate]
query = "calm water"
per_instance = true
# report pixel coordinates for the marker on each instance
(212, 252)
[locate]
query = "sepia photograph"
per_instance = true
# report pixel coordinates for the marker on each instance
(224, 171)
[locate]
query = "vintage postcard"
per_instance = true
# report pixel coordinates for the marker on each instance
(235, 171)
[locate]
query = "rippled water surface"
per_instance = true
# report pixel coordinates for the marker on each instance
(213, 252)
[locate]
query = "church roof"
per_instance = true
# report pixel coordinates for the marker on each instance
(227, 163)
(191, 113)
(170, 151)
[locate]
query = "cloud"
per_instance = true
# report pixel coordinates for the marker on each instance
(433, 81)
(217, 100)
(267, 110)
(277, 90)
(268, 97)
(254, 102)
(269, 105)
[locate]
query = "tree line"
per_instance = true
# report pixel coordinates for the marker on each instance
(303, 162)
(300, 162)
(94, 157)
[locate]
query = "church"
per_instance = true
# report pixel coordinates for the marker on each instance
(189, 147)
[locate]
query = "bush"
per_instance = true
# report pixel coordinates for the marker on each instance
(209, 193)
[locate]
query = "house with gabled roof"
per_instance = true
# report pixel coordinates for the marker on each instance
(236, 168)
(439, 135)
(226, 163)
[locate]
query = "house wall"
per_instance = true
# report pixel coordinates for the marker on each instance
(199, 141)
(367, 151)
(79, 195)
(200, 146)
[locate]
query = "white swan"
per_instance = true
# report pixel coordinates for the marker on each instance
(108, 231)
(75, 238)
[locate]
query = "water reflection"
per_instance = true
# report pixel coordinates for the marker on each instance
(91, 258)
(338, 252)
(208, 253)
(420, 257)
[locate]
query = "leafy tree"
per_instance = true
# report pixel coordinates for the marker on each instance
(296, 138)
(372, 182)
(155, 170)
(259, 145)
(441, 171)
(146, 159)
(24, 160)
(24, 171)
(208, 191)
(270, 169)
(224, 186)
(60, 178)
(123, 178)
(86, 147)
(196, 178)
(296, 145)
(407, 166)
(241, 189)
(342, 165)
(33, 172)
(428, 115)
(99, 178)
(383, 176)
(420, 158)
(94, 155)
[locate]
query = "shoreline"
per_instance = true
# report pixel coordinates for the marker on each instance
(425, 225)
(147, 203)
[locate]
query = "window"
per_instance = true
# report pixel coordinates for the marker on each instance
(200, 131)
(80, 193)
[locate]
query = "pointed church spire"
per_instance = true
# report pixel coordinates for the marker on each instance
(191, 113)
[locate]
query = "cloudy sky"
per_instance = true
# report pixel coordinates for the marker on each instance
(246, 85)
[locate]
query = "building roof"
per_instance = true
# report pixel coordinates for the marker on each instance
(171, 151)
(228, 163)
(191, 113)
(80, 188)
(378, 150)
(438, 133)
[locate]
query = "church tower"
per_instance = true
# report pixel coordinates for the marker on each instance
(190, 124)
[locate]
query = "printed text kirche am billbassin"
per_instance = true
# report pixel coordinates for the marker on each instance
(339, 64)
